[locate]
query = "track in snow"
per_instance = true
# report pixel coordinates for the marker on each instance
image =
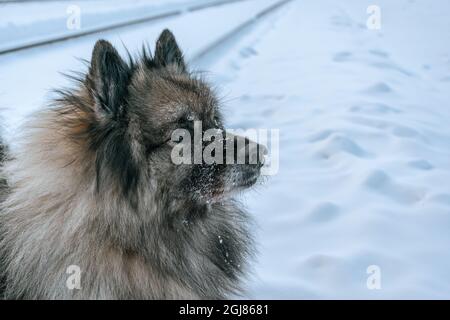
(130, 22)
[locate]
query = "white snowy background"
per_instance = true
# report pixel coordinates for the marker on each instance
(364, 120)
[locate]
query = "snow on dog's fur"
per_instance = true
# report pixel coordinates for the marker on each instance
(92, 184)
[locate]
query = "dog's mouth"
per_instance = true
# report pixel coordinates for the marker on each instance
(237, 181)
(217, 183)
(243, 179)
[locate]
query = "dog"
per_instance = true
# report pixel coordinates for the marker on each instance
(92, 187)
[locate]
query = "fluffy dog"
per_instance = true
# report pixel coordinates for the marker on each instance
(92, 185)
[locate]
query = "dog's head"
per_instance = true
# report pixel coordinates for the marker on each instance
(144, 116)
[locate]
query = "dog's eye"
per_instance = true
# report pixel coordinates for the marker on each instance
(182, 121)
(185, 123)
(186, 118)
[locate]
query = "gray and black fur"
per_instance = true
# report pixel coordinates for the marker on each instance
(92, 184)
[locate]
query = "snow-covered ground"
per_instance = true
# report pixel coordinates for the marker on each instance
(364, 177)
(364, 118)
(22, 24)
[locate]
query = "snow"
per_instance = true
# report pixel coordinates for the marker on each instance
(364, 176)
(22, 24)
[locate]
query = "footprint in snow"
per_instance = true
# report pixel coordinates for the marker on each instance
(342, 56)
(379, 88)
(420, 165)
(381, 183)
(404, 132)
(387, 66)
(248, 52)
(375, 108)
(324, 212)
(340, 144)
(379, 53)
(322, 135)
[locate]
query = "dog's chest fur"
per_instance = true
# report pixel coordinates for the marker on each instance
(187, 252)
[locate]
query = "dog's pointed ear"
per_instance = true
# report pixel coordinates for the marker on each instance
(108, 79)
(168, 53)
